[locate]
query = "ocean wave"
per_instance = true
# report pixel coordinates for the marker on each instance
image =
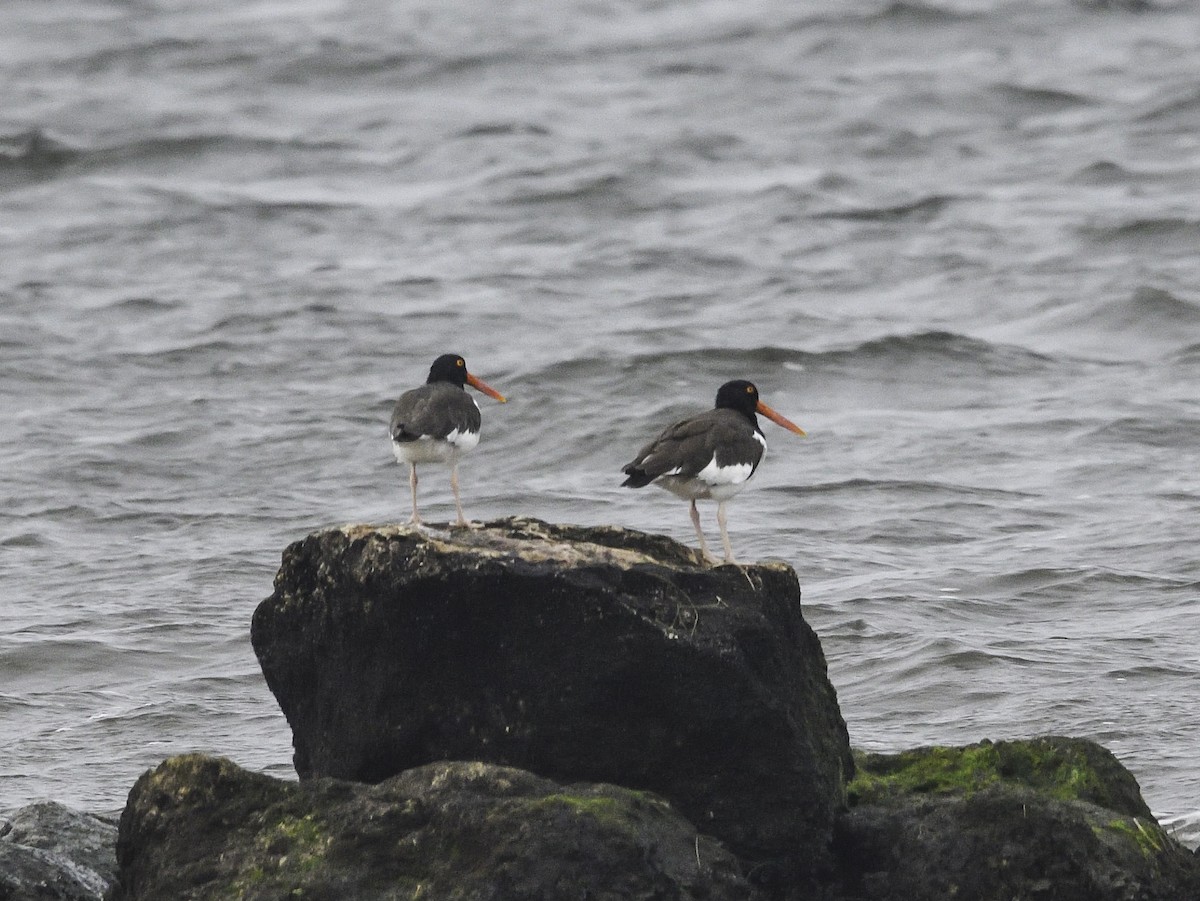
(1153, 671)
(727, 359)
(183, 353)
(266, 201)
(1148, 311)
(1147, 232)
(926, 662)
(677, 68)
(1104, 172)
(1058, 582)
(1150, 301)
(334, 60)
(170, 52)
(501, 129)
(1038, 100)
(195, 144)
(975, 659)
(1026, 100)
(141, 306)
(912, 13)
(1149, 322)
(923, 209)
(1185, 108)
(27, 657)
(1180, 432)
(35, 149)
(1122, 6)
(25, 539)
(613, 190)
(935, 349)
(909, 489)
(1189, 354)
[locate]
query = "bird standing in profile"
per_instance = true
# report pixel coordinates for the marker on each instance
(438, 423)
(709, 456)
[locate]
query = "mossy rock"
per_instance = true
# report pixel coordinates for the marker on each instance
(1068, 769)
(582, 654)
(203, 829)
(1049, 818)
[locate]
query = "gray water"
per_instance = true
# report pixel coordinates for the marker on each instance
(957, 243)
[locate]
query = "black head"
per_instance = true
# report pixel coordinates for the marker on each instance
(448, 368)
(739, 395)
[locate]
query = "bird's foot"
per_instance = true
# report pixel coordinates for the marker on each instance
(729, 561)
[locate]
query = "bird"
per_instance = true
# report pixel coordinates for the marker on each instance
(438, 423)
(709, 456)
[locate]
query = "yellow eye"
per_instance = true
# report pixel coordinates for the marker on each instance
(460, 362)
(749, 389)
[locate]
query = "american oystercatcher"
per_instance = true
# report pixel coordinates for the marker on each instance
(710, 456)
(439, 422)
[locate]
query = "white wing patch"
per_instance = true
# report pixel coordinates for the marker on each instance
(462, 441)
(758, 436)
(725, 475)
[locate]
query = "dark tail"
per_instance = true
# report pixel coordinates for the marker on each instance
(400, 435)
(637, 477)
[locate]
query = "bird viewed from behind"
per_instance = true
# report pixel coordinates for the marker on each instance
(438, 423)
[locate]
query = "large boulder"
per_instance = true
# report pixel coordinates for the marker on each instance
(580, 654)
(49, 851)
(203, 829)
(1051, 818)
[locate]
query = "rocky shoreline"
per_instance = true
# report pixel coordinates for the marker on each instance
(50, 851)
(532, 711)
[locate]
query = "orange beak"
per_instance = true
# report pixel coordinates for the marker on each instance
(481, 385)
(778, 419)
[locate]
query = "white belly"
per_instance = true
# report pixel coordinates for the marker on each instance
(713, 482)
(435, 450)
(697, 489)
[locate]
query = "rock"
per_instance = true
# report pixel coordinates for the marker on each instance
(48, 851)
(202, 828)
(1050, 818)
(580, 654)
(1071, 769)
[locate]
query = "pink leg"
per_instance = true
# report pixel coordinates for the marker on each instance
(724, 532)
(412, 483)
(700, 534)
(462, 520)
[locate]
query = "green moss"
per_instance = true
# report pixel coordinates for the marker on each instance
(596, 806)
(287, 851)
(611, 813)
(1150, 839)
(299, 830)
(1059, 769)
(935, 771)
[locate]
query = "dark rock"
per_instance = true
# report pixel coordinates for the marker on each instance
(48, 851)
(1051, 818)
(580, 654)
(1070, 769)
(202, 828)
